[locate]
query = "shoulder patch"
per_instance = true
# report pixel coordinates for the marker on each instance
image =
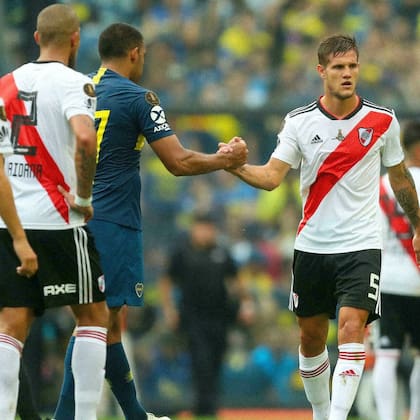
(89, 89)
(3, 113)
(152, 98)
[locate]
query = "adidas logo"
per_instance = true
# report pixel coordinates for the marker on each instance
(349, 372)
(316, 139)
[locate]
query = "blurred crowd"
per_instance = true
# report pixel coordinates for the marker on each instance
(223, 68)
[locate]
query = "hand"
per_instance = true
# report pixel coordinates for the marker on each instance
(28, 259)
(236, 151)
(416, 246)
(86, 211)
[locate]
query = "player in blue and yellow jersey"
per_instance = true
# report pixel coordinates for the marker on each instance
(127, 117)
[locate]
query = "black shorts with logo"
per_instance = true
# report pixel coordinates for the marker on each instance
(323, 283)
(69, 271)
(399, 322)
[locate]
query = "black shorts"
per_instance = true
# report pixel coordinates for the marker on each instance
(69, 272)
(399, 321)
(322, 283)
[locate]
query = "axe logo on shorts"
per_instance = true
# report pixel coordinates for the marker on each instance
(139, 288)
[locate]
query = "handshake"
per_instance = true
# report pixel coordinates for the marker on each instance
(235, 152)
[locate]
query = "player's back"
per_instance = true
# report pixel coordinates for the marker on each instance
(40, 98)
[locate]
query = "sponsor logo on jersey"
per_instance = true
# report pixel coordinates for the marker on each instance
(365, 136)
(316, 139)
(139, 289)
(60, 289)
(152, 98)
(157, 114)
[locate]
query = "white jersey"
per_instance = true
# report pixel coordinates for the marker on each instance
(399, 273)
(40, 99)
(5, 132)
(340, 163)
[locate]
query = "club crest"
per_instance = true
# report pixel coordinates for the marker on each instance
(365, 136)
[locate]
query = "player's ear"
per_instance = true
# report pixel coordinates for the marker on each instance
(36, 37)
(321, 71)
(133, 54)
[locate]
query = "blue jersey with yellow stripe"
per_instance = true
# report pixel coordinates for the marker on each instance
(126, 115)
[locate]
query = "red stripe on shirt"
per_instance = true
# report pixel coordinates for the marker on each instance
(397, 221)
(51, 175)
(347, 154)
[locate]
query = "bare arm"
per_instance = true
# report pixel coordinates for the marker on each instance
(27, 257)
(181, 161)
(170, 312)
(85, 163)
(405, 191)
(266, 177)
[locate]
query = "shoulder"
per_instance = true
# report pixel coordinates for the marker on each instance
(301, 111)
(375, 107)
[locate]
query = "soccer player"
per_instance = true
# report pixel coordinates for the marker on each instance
(127, 116)
(400, 292)
(51, 107)
(339, 142)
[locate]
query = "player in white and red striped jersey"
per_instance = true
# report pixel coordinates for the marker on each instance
(339, 143)
(51, 108)
(400, 293)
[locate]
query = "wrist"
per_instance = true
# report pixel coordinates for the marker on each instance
(83, 202)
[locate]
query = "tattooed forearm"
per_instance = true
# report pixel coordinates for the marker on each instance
(407, 197)
(409, 203)
(85, 168)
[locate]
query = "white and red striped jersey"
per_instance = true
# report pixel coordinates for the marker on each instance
(340, 164)
(40, 99)
(5, 131)
(400, 274)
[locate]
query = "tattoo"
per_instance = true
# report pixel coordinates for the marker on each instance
(86, 166)
(407, 197)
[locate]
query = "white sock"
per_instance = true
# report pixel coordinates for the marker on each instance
(10, 352)
(88, 366)
(346, 378)
(384, 377)
(415, 390)
(315, 373)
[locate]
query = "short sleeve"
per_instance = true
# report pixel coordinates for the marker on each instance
(287, 149)
(392, 153)
(79, 97)
(5, 132)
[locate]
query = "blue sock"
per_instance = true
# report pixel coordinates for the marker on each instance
(65, 405)
(120, 378)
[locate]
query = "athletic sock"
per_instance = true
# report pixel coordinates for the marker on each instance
(10, 353)
(315, 373)
(65, 405)
(26, 407)
(88, 367)
(346, 378)
(384, 377)
(120, 378)
(415, 390)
